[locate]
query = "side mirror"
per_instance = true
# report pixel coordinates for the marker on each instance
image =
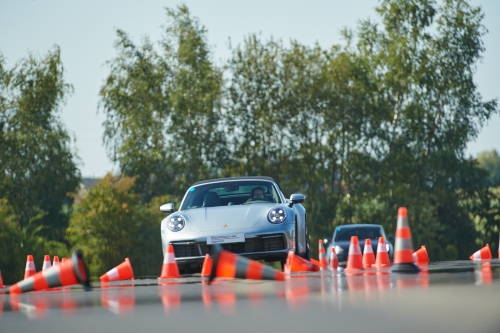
(391, 238)
(167, 208)
(296, 198)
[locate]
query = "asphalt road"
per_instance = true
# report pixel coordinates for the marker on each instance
(459, 296)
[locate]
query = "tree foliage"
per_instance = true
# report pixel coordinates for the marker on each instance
(37, 163)
(109, 224)
(162, 108)
(38, 166)
(362, 128)
(489, 161)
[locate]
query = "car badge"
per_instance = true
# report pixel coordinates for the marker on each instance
(225, 225)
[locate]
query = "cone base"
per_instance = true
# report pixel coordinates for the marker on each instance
(409, 268)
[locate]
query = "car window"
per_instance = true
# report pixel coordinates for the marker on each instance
(363, 232)
(230, 193)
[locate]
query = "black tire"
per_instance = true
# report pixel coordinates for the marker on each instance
(307, 254)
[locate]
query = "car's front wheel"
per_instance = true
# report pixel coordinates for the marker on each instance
(307, 253)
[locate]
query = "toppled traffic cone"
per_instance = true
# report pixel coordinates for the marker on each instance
(354, 258)
(1, 281)
(169, 269)
(70, 272)
(382, 259)
(229, 265)
(316, 263)
(207, 266)
(368, 256)
(420, 256)
(295, 263)
(30, 267)
(55, 261)
(482, 254)
(46, 262)
(121, 272)
(334, 261)
(322, 256)
(403, 250)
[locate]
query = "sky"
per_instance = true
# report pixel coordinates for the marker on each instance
(86, 30)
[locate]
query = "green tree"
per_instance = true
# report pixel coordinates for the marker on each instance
(109, 224)
(163, 108)
(37, 163)
(426, 108)
(490, 162)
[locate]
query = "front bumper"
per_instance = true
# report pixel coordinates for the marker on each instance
(272, 245)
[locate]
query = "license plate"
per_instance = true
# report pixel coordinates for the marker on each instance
(223, 239)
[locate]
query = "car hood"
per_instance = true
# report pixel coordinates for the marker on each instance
(227, 217)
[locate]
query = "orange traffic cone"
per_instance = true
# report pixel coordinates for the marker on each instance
(121, 272)
(30, 267)
(420, 256)
(322, 256)
(55, 261)
(482, 254)
(46, 262)
(229, 265)
(71, 272)
(354, 258)
(334, 261)
(1, 281)
(316, 263)
(403, 251)
(368, 256)
(207, 266)
(169, 269)
(382, 259)
(295, 263)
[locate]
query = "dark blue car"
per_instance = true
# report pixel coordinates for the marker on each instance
(341, 239)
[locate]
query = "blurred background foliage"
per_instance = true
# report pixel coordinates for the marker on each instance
(361, 128)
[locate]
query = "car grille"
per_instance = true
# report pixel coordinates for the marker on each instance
(257, 244)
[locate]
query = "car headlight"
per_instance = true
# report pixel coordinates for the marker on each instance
(176, 223)
(387, 247)
(276, 215)
(338, 249)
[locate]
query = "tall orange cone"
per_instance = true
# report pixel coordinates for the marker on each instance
(334, 261)
(121, 272)
(30, 267)
(71, 272)
(420, 256)
(354, 258)
(295, 263)
(322, 256)
(382, 259)
(1, 281)
(368, 256)
(482, 254)
(169, 269)
(403, 250)
(207, 266)
(229, 265)
(55, 261)
(46, 262)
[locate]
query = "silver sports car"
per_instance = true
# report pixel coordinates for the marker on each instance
(249, 216)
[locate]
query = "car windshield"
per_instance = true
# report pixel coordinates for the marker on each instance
(230, 193)
(363, 232)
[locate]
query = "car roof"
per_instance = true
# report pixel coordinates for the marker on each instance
(357, 225)
(234, 178)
